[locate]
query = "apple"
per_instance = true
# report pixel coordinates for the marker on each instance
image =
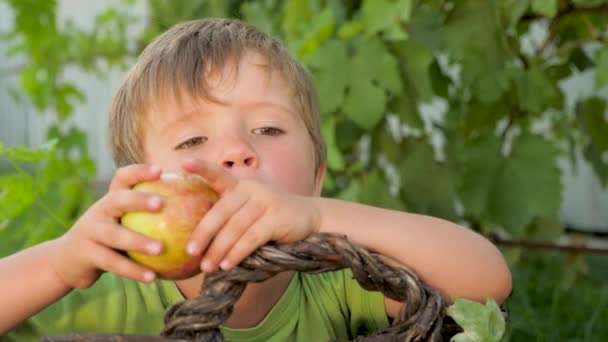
(186, 199)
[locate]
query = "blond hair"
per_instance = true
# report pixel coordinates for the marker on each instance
(178, 61)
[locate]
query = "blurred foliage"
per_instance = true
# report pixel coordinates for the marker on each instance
(447, 108)
(49, 187)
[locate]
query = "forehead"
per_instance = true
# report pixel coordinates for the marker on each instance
(249, 82)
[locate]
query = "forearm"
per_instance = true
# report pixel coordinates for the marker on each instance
(451, 258)
(28, 285)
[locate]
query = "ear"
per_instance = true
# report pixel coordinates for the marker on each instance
(319, 178)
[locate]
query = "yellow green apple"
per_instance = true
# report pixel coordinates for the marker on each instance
(186, 199)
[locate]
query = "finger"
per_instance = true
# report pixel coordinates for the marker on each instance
(257, 235)
(118, 237)
(127, 176)
(229, 234)
(118, 202)
(214, 219)
(112, 261)
(218, 178)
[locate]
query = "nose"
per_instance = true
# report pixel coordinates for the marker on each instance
(238, 153)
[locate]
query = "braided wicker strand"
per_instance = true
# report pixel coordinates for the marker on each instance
(421, 317)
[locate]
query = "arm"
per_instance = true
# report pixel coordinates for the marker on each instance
(33, 285)
(451, 258)
(43, 274)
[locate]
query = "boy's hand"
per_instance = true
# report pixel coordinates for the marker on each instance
(247, 215)
(95, 242)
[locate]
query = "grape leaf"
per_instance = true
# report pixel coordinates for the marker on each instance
(428, 187)
(545, 7)
(17, 193)
(601, 68)
(481, 323)
(332, 74)
(364, 103)
(29, 155)
(334, 157)
(384, 70)
(511, 191)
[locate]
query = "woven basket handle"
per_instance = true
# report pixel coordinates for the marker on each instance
(421, 317)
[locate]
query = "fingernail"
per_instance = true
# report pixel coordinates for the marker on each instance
(191, 248)
(206, 266)
(225, 265)
(149, 276)
(154, 169)
(154, 202)
(154, 248)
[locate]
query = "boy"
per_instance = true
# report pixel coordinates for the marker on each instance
(220, 99)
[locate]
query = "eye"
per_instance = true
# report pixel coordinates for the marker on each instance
(272, 131)
(191, 143)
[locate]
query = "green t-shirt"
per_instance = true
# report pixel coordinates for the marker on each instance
(314, 307)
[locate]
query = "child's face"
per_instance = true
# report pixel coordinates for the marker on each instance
(255, 132)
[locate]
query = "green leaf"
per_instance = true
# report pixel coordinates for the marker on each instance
(426, 28)
(416, 61)
(600, 166)
(296, 16)
(385, 69)
(482, 164)
(17, 193)
(511, 191)
(334, 157)
(386, 15)
(347, 134)
(332, 74)
(515, 10)
(256, 13)
(351, 193)
(545, 7)
(350, 29)
(29, 155)
(476, 40)
(481, 323)
(428, 187)
(321, 29)
(601, 68)
(364, 104)
(374, 191)
(545, 229)
(536, 92)
(592, 112)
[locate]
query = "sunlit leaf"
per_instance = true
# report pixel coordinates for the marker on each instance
(481, 323)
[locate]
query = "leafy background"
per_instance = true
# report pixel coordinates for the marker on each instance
(435, 107)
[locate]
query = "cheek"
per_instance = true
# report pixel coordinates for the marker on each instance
(290, 168)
